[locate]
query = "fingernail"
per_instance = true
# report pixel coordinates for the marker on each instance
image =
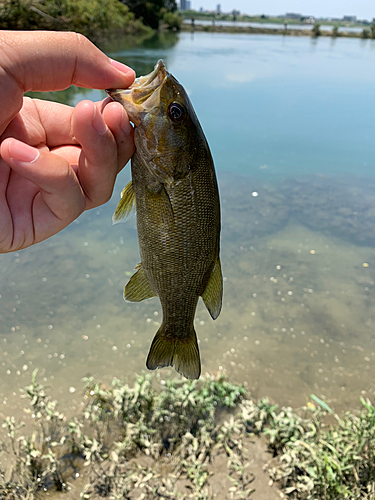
(98, 123)
(125, 124)
(20, 151)
(122, 67)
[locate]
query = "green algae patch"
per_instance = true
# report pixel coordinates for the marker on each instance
(177, 439)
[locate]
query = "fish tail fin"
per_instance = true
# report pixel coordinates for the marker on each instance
(180, 352)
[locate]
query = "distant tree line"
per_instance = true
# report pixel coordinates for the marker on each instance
(93, 18)
(154, 12)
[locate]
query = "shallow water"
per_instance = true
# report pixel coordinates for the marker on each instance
(290, 124)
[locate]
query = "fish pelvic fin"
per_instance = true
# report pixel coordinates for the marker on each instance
(125, 205)
(138, 287)
(213, 294)
(181, 353)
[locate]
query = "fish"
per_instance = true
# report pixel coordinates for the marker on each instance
(174, 192)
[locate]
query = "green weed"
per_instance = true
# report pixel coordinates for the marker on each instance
(157, 440)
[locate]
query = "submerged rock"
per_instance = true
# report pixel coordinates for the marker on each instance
(340, 207)
(344, 208)
(251, 208)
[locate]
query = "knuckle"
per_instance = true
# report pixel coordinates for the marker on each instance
(105, 197)
(81, 40)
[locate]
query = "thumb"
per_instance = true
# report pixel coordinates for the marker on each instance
(47, 60)
(42, 61)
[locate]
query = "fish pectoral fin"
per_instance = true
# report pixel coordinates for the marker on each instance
(159, 199)
(213, 294)
(180, 352)
(138, 287)
(125, 205)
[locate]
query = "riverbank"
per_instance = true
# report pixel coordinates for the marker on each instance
(92, 18)
(100, 22)
(181, 439)
(270, 31)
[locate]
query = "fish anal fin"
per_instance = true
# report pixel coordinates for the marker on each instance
(125, 205)
(138, 287)
(213, 294)
(180, 352)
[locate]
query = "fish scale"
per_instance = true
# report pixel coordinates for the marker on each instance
(176, 196)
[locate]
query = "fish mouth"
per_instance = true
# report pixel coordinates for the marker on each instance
(154, 78)
(143, 94)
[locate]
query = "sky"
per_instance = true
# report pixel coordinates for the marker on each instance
(363, 9)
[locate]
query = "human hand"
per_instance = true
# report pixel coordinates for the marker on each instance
(56, 161)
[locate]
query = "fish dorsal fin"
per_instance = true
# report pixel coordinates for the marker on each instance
(125, 205)
(213, 294)
(138, 287)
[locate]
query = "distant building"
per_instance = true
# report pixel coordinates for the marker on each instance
(188, 5)
(293, 15)
(308, 19)
(183, 5)
(218, 8)
(350, 19)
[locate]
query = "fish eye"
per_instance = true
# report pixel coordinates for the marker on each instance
(176, 112)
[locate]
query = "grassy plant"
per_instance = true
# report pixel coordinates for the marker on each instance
(172, 20)
(316, 30)
(153, 441)
(325, 462)
(365, 33)
(119, 423)
(335, 31)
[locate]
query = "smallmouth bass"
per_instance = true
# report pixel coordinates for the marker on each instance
(175, 194)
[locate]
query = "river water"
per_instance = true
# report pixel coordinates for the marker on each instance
(290, 124)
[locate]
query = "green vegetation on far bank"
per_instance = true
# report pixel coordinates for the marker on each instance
(285, 26)
(155, 12)
(315, 31)
(101, 21)
(174, 439)
(95, 19)
(188, 14)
